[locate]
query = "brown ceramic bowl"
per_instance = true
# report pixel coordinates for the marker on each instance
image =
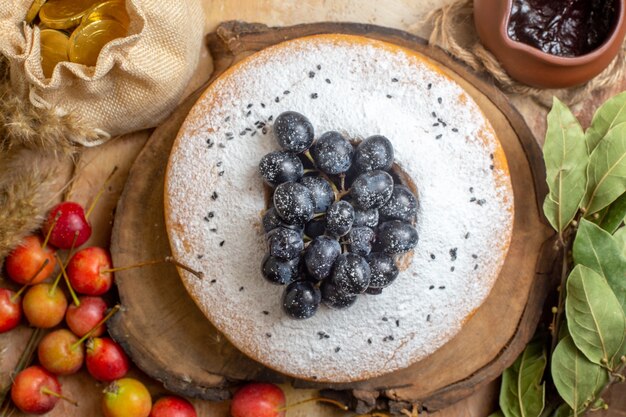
(534, 67)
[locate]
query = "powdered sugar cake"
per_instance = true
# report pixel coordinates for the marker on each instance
(214, 200)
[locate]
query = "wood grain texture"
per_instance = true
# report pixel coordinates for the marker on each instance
(159, 320)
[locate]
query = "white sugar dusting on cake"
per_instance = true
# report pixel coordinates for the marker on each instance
(215, 199)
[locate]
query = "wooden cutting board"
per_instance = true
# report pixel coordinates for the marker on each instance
(172, 341)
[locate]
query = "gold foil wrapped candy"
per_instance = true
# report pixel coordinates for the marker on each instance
(76, 30)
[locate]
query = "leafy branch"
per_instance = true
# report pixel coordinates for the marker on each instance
(586, 205)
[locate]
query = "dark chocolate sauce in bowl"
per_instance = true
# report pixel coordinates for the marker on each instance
(565, 28)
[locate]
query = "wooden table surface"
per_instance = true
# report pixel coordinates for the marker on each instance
(94, 164)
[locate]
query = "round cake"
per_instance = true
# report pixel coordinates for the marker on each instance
(446, 149)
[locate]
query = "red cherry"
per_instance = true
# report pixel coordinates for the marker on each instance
(44, 306)
(173, 407)
(125, 398)
(106, 361)
(10, 310)
(258, 400)
(85, 317)
(35, 390)
(61, 353)
(25, 265)
(66, 222)
(86, 271)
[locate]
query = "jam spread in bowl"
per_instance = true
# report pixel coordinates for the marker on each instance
(552, 43)
(562, 27)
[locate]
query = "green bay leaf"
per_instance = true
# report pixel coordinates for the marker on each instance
(497, 414)
(595, 318)
(565, 155)
(611, 217)
(522, 394)
(606, 172)
(620, 237)
(576, 378)
(564, 410)
(609, 115)
(597, 249)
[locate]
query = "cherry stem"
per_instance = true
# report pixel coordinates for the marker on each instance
(67, 282)
(90, 333)
(55, 283)
(100, 192)
(54, 223)
(47, 391)
(25, 359)
(167, 259)
(197, 274)
(21, 290)
(316, 399)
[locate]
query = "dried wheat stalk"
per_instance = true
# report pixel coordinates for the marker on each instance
(26, 194)
(33, 143)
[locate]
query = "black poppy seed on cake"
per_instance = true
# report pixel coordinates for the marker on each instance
(440, 171)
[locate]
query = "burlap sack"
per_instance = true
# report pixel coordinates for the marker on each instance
(138, 79)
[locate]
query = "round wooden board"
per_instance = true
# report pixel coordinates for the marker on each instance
(169, 338)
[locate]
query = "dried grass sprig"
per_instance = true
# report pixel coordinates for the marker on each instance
(34, 143)
(27, 192)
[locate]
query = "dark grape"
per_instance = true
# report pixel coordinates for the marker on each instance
(372, 189)
(401, 206)
(334, 298)
(374, 218)
(301, 299)
(396, 237)
(271, 220)
(363, 217)
(320, 256)
(383, 269)
(360, 240)
(339, 218)
(278, 167)
(293, 131)
(280, 272)
(284, 243)
(332, 153)
(315, 228)
(294, 203)
(375, 152)
(351, 274)
(323, 194)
